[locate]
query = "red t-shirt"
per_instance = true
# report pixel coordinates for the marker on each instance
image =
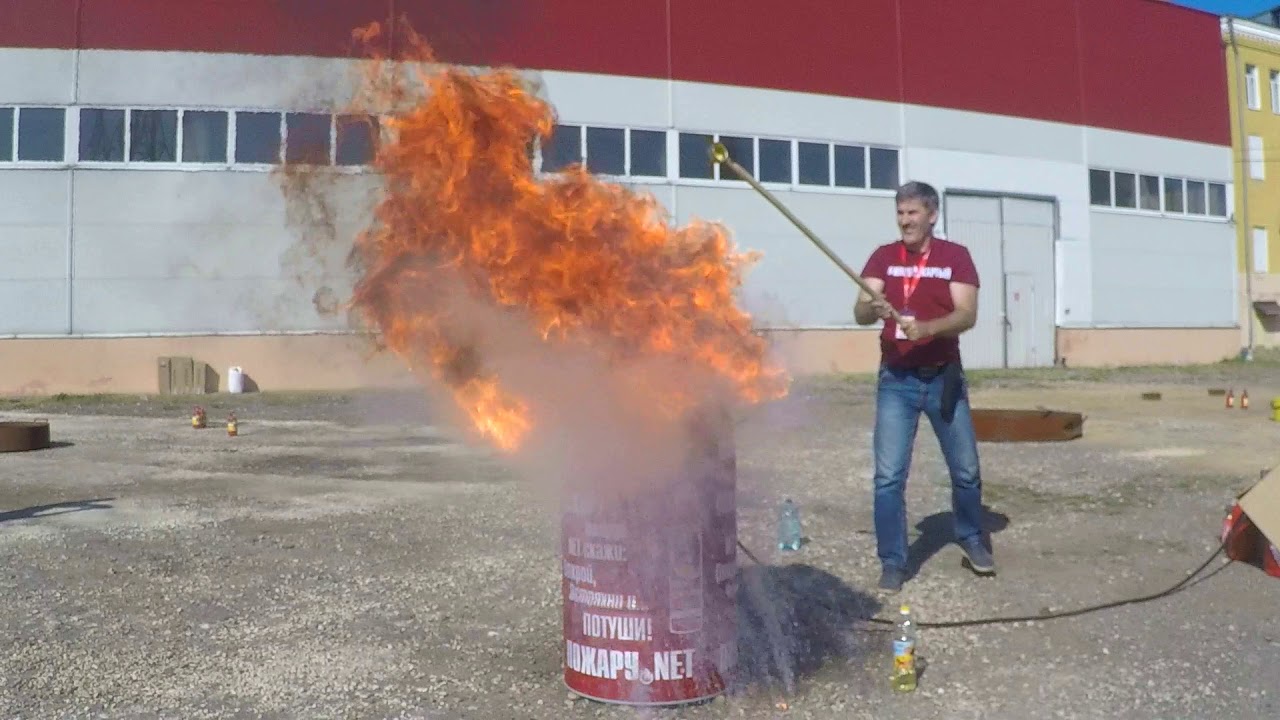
(943, 263)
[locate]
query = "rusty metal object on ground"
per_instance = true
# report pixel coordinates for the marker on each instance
(22, 435)
(1041, 425)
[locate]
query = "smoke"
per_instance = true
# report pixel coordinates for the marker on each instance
(602, 351)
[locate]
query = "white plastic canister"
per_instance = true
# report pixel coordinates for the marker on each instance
(235, 379)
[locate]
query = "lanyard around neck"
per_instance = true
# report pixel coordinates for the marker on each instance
(912, 279)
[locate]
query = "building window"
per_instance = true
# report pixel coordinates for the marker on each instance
(1197, 202)
(648, 153)
(1217, 199)
(1257, 158)
(850, 165)
(204, 136)
(356, 139)
(743, 151)
(884, 168)
(1251, 86)
(1173, 195)
(42, 134)
(1275, 92)
(6, 134)
(307, 136)
(102, 133)
(775, 161)
(563, 148)
(1149, 192)
(1155, 194)
(814, 161)
(607, 151)
(1126, 185)
(258, 138)
(1100, 187)
(153, 135)
(695, 163)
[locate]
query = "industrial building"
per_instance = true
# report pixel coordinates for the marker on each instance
(1253, 84)
(1083, 148)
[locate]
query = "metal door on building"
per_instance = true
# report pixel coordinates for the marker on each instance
(1011, 240)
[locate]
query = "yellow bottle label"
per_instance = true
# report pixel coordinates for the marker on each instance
(904, 656)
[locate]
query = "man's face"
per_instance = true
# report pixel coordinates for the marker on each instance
(915, 221)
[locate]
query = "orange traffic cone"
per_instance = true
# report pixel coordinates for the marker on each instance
(1231, 398)
(1244, 399)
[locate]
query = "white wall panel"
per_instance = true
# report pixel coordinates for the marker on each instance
(159, 305)
(180, 251)
(1165, 156)
(603, 100)
(36, 76)
(1160, 272)
(721, 108)
(112, 77)
(953, 170)
(794, 284)
(33, 307)
(972, 132)
(1074, 273)
(33, 251)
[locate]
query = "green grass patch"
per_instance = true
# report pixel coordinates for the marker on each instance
(1264, 359)
(69, 402)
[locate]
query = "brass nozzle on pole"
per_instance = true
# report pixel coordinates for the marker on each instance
(720, 155)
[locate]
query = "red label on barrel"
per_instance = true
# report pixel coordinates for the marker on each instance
(649, 590)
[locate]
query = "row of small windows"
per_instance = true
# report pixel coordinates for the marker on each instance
(641, 153)
(1157, 194)
(109, 135)
(182, 136)
(1253, 92)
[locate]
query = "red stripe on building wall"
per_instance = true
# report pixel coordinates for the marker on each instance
(838, 48)
(37, 24)
(1157, 68)
(1010, 57)
(590, 36)
(1136, 65)
(276, 27)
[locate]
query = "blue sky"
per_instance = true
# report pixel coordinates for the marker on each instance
(1243, 8)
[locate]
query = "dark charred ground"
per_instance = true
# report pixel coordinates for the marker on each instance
(344, 557)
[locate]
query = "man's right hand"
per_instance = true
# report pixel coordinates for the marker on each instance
(882, 308)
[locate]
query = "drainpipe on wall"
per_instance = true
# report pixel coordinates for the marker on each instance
(1245, 227)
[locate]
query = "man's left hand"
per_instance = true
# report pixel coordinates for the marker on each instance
(916, 329)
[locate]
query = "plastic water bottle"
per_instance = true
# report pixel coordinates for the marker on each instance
(789, 526)
(904, 652)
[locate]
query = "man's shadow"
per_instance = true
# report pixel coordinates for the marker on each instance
(792, 620)
(938, 530)
(59, 508)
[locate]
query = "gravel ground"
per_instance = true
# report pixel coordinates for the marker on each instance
(345, 558)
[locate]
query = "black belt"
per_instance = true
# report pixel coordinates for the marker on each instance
(927, 372)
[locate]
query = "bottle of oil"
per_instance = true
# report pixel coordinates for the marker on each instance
(904, 652)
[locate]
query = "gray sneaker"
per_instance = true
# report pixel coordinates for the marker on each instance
(979, 556)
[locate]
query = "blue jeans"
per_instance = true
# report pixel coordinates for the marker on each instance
(901, 395)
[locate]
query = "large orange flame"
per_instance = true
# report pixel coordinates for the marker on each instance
(468, 246)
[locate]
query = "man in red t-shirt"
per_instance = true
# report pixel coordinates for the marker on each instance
(934, 286)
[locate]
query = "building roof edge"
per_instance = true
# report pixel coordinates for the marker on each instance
(1250, 29)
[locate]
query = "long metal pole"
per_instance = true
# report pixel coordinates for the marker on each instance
(720, 154)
